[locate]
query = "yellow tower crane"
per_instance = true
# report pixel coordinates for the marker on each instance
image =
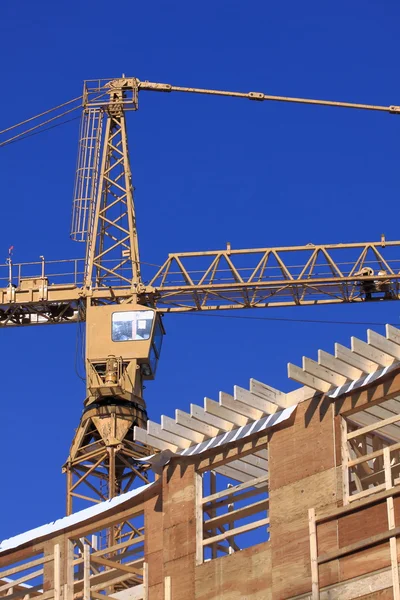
(124, 329)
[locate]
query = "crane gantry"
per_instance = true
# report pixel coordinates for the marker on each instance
(122, 312)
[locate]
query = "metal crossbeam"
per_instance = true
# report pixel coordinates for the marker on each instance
(199, 281)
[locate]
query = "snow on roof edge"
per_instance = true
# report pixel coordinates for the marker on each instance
(65, 522)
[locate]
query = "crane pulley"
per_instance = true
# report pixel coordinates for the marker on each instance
(123, 312)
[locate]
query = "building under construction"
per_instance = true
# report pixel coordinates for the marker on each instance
(261, 494)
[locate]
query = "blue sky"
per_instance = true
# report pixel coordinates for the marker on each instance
(206, 171)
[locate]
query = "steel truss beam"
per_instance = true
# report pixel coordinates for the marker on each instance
(227, 279)
(286, 276)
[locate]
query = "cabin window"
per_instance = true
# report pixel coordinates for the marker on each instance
(133, 325)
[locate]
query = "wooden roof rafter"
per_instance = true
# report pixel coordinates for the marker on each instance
(232, 414)
(350, 368)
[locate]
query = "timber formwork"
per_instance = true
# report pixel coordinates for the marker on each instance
(304, 503)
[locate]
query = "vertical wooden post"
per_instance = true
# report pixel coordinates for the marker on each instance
(345, 462)
(199, 517)
(391, 524)
(167, 588)
(57, 572)
(69, 486)
(69, 565)
(145, 581)
(213, 512)
(231, 507)
(313, 554)
(86, 572)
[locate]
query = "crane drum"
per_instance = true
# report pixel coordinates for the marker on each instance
(87, 169)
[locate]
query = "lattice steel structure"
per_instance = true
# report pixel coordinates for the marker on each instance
(106, 289)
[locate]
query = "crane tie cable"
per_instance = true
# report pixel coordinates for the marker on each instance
(27, 131)
(31, 131)
(41, 114)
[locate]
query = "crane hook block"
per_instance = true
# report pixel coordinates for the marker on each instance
(256, 96)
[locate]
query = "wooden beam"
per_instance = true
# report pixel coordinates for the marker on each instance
(167, 588)
(86, 572)
(170, 425)
(69, 570)
(231, 473)
(234, 452)
(374, 426)
(57, 572)
(345, 461)
(235, 489)
(23, 579)
(381, 343)
(299, 375)
(381, 411)
(110, 582)
(365, 493)
(256, 461)
(338, 366)
(236, 515)
(393, 334)
(366, 351)
(244, 467)
(355, 360)
(313, 554)
(28, 565)
(141, 435)
(313, 368)
(246, 397)
(236, 531)
(126, 568)
(145, 581)
(155, 430)
(214, 408)
(199, 517)
(222, 425)
(372, 455)
(99, 596)
(229, 402)
(186, 420)
(136, 540)
(268, 393)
